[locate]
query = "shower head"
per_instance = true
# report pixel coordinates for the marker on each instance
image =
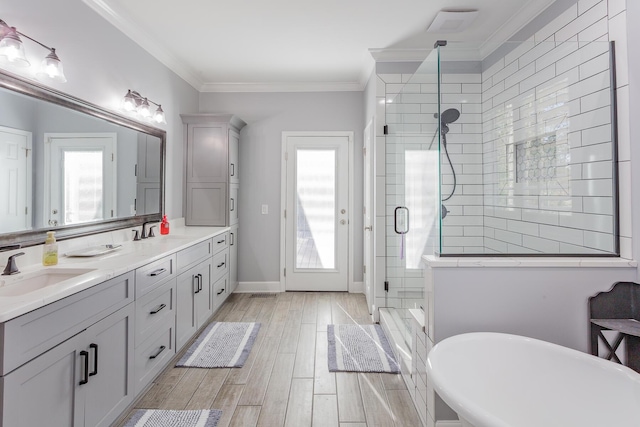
(449, 116)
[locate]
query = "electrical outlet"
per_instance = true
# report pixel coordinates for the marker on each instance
(265, 209)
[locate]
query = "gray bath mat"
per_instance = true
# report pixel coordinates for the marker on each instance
(221, 345)
(170, 418)
(360, 348)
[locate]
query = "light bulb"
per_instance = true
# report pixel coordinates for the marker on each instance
(12, 49)
(158, 116)
(144, 110)
(129, 102)
(51, 68)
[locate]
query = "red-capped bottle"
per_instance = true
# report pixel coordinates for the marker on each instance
(164, 225)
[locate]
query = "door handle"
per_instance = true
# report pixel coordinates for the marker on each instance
(199, 282)
(95, 359)
(233, 205)
(85, 379)
(194, 284)
(369, 228)
(233, 169)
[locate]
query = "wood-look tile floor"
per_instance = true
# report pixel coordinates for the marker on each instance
(286, 380)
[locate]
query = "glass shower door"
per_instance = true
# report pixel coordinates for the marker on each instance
(412, 189)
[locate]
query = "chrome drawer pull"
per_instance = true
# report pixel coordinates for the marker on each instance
(157, 272)
(157, 310)
(153, 356)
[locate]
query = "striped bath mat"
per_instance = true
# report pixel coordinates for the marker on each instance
(221, 345)
(360, 348)
(170, 418)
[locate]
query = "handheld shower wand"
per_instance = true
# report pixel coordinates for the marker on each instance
(446, 118)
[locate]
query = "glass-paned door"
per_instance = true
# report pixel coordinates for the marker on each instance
(317, 221)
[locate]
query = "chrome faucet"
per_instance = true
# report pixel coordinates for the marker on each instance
(11, 267)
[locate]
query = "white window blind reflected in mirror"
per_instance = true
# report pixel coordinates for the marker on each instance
(316, 208)
(83, 186)
(421, 183)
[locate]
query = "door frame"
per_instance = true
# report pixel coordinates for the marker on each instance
(29, 171)
(283, 201)
(113, 181)
(370, 263)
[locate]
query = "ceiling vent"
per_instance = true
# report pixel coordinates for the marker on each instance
(452, 21)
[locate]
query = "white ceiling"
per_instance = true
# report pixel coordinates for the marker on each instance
(296, 45)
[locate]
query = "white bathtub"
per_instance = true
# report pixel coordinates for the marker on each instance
(501, 380)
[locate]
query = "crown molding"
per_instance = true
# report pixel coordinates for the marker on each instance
(518, 21)
(117, 19)
(283, 87)
(399, 55)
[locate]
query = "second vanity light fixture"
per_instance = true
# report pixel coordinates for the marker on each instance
(12, 52)
(133, 102)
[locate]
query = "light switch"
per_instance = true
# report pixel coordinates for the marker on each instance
(265, 209)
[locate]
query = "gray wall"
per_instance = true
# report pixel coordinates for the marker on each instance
(267, 116)
(101, 63)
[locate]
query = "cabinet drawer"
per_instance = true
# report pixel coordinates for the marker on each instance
(152, 357)
(154, 309)
(220, 265)
(220, 242)
(194, 254)
(220, 292)
(31, 334)
(154, 274)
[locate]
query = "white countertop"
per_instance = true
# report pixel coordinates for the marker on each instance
(537, 262)
(127, 258)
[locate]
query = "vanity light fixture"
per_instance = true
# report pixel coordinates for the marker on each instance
(134, 102)
(12, 52)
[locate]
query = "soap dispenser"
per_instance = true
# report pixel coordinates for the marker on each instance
(50, 250)
(164, 225)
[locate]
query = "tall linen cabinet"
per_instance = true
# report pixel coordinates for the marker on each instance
(212, 181)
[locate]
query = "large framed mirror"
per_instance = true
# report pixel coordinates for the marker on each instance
(73, 167)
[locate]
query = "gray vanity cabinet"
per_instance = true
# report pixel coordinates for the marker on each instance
(85, 381)
(193, 301)
(233, 258)
(211, 168)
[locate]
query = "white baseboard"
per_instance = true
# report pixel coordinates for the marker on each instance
(249, 287)
(357, 288)
(448, 424)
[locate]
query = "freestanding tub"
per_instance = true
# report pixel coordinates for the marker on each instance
(502, 380)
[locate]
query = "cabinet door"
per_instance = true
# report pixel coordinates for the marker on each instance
(202, 299)
(206, 204)
(234, 156)
(45, 391)
(233, 259)
(185, 320)
(110, 388)
(233, 203)
(207, 153)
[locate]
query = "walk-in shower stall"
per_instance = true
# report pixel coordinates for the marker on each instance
(505, 151)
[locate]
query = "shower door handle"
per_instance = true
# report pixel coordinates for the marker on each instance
(401, 220)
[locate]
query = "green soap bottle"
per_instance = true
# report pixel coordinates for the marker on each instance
(50, 250)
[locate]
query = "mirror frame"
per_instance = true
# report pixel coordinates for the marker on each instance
(35, 90)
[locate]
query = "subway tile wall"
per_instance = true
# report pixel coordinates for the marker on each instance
(557, 85)
(547, 139)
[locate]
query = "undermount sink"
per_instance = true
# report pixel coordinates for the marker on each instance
(23, 283)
